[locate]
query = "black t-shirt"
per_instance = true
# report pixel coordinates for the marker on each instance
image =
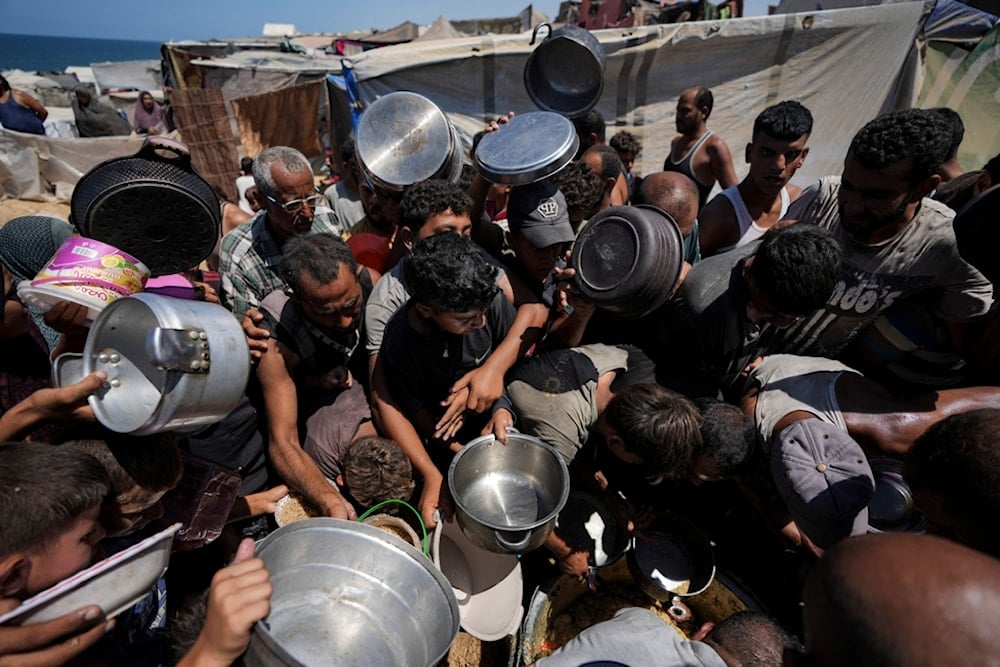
(421, 368)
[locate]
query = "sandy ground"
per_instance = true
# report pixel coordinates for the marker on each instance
(12, 208)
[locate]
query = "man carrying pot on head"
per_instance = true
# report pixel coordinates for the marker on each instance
(290, 206)
(597, 405)
(312, 372)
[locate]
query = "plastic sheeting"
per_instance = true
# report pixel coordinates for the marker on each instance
(46, 169)
(847, 66)
(127, 75)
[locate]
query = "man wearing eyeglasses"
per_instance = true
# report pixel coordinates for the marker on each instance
(291, 206)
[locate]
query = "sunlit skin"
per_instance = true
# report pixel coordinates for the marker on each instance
(773, 162)
(446, 221)
(688, 117)
(290, 186)
(74, 549)
(875, 204)
(335, 306)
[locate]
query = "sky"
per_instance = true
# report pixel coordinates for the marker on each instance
(165, 20)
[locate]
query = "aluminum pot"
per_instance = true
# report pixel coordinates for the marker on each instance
(404, 138)
(152, 205)
(628, 260)
(345, 593)
(507, 497)
(528, 148)
(171, 364)
(565, 73)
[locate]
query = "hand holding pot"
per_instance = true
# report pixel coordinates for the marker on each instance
(498, 425)
(239, 597)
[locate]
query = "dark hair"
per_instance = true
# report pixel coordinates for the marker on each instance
(959, 191)
(150, 462)
(956, 129)
(785, 121)
(957, 459)
(672, 192)
(727, 435)
(43, 489)
(447, 273)
(291, 159)
(703, 98)
(320, 255)
(348, 150)
(625, 142)
(246, 165)
(916, 136)
(755, 639)
(580, 186)
(611, 163)
(993, 168)
(657, 424)
(425, 199)
(796, 267)
(4, 85)
(589, 123)
(377, 469)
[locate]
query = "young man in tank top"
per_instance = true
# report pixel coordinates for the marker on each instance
(697, 152)
(777, 149)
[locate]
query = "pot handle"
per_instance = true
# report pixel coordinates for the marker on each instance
(534, 33)
(67, 369)
(512, 546)
(163, 149)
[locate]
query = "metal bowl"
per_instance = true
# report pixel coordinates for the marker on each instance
(345, 593)
(892, 507)
(528, 148)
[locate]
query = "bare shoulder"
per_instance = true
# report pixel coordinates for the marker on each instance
(717, 226)
(716, 212)
(716, 144)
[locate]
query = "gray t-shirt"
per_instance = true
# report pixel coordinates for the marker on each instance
(635, 637)
(920, 262)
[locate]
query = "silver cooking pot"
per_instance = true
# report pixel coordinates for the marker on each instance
(528, 148)
(171, 364)
(345, 593)
(404, 138)
(507, 497)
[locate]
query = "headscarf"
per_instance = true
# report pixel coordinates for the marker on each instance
(27, 243)
(144, 121)
(97, 119)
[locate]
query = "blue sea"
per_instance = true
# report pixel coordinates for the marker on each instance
(40, 53)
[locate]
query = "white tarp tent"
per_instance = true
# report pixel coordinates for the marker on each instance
(847, 66)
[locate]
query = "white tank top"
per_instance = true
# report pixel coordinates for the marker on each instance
(749, 230)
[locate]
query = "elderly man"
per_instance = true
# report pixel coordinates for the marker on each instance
(291, 206)
(697, 152)
(306, 375)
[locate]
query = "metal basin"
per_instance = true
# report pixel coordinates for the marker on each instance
(507, 497)
(349, 594)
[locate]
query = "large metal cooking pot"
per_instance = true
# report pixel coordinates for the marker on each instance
(528, 148)
(565, 73)
(507, 497)
(345, 593)
(151, 205)
(404, 138)
(171, 364)
(628, 260)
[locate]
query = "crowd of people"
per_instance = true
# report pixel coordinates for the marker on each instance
(814, 329)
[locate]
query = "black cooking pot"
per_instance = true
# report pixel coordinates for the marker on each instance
(151, 205)
(674, 559)
(628, 260)
(565, 73)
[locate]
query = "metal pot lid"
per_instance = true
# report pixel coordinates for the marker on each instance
(404, 138)
(528, 148)
(892, 507)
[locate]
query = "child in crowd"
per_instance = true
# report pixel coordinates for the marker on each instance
(376, 469)
(455, 317)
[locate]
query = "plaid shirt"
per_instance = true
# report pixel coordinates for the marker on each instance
(249, 258)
